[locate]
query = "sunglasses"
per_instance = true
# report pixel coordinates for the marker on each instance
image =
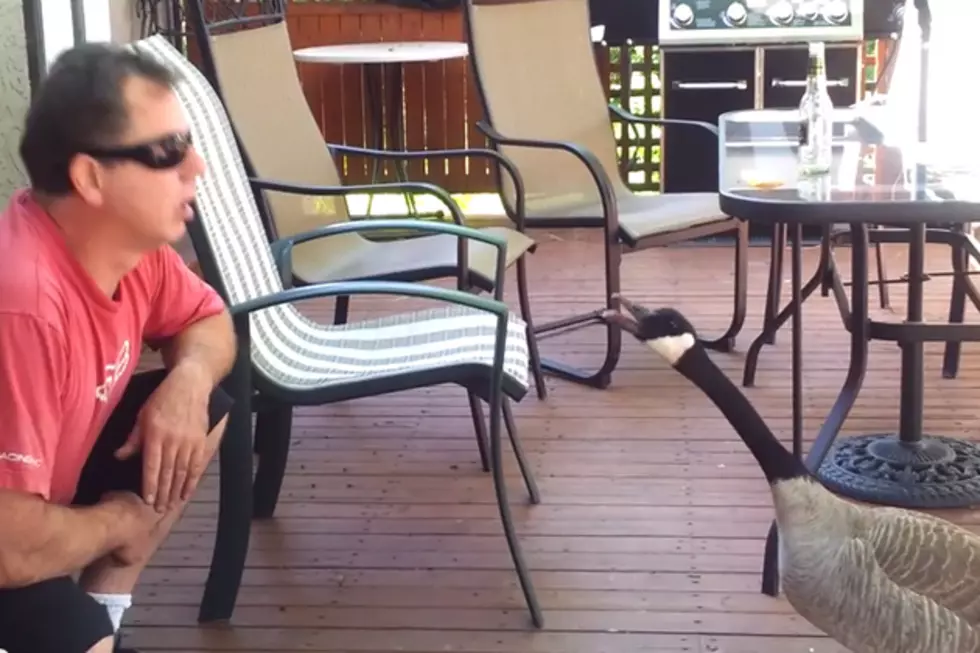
(161, 154)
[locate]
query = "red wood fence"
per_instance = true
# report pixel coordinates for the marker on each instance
(441, 102)
(441, 105)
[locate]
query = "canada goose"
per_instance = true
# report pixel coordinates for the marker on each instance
(877, 580)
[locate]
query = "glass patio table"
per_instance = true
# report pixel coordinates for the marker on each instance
(759, 182)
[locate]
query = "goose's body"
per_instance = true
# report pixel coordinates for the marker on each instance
(877, 580)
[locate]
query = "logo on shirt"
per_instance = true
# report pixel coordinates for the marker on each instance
(113, 372)
(20, 459)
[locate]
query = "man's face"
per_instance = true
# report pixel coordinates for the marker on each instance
(150, 204)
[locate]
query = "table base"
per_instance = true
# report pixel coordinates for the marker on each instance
(935, 472)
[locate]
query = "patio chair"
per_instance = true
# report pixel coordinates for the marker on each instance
(553, 122)
(247, 57)
(287, 359)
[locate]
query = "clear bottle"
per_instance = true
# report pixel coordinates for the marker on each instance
(816, 118)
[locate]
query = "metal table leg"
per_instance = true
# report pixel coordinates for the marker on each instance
(770, 576)
(852, 383)
(385, 95)
(772, 325)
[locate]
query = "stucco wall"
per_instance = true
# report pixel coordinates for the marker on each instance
(15, 94)
(15, 89)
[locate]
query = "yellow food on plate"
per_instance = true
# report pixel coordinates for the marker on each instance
(757, 179)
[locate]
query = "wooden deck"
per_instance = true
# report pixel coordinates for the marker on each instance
(650, 533)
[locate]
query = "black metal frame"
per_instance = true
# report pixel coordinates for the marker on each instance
(78, 21)
(231, 15)
(34, 36)
(162, 17)
(907, 226)
(615, 237)
(253, 391)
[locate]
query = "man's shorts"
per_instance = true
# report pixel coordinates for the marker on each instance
(57, 616)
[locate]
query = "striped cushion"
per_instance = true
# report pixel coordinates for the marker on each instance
(288, 347)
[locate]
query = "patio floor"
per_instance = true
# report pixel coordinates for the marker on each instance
(650, 532)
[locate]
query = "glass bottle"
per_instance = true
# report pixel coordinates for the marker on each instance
(816, 118)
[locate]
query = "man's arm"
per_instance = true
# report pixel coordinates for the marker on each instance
(190, 323)
(205, 348)
(41, 540)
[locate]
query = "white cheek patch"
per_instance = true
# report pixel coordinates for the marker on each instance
(672, 347)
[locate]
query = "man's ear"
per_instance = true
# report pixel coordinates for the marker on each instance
(87, 176)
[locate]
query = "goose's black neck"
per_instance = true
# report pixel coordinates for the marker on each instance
(776, 462)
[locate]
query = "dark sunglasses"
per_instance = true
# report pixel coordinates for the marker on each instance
(161, 154)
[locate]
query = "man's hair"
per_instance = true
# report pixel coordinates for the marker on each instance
(80, 104)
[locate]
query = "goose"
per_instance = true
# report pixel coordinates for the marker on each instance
(875, 579)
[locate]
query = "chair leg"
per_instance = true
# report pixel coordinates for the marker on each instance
(341, 309)
(883, 299)
(235, 498)
(957, 311)
(770, 563)
(480, 428)
(601, 378)
(532, 340)
(726, 342)
(774, 293)
(506, 517)
(515, 443)
(273, 427)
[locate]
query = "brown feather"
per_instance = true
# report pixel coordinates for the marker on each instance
(877, 580)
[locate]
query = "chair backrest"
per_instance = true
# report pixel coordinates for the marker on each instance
(535, 68)
(247, 58)
(261, 89)
(230, 237)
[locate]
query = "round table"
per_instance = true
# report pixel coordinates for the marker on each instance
(758, 182)
(383, 71)
(907, 468)
(380, 53)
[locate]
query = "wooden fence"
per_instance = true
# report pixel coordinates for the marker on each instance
(442, 106)
(441, 103)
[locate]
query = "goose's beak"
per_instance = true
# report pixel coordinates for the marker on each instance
(624, 322)
(636, 310)
(628, 323)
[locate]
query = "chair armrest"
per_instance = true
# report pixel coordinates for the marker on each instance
(397, 223)
(335, 191)
(399, 288)
(610, 208)
(282, 249)
(666, 122)
(462, 255)
(500, 159)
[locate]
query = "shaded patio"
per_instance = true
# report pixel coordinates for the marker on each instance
(651, 528)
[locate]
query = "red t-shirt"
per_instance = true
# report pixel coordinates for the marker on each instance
(67, 350)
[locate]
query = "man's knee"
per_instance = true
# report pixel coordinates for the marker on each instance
(104, 646)
(214, 440)
(218, 432)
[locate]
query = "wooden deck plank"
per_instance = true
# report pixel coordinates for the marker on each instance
(650, 534)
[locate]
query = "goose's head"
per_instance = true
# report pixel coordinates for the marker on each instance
(666, 331)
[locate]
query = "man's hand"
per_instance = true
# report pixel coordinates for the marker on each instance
(141, 521)
(172, 429)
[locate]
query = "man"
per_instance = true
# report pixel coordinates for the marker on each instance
(95, 462)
